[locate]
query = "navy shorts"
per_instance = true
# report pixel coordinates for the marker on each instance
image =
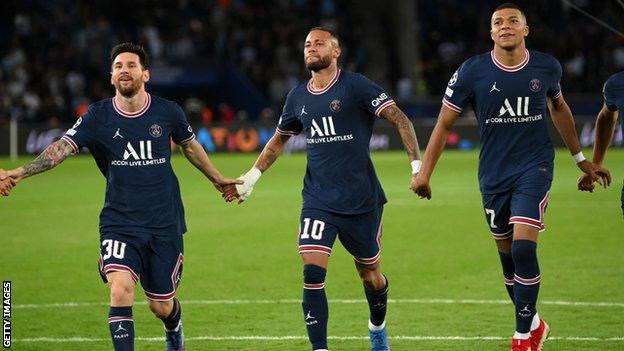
(155, 260)
(525, 203)
(359, 234)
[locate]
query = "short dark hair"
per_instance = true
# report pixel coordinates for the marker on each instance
(133, 48)
(325, 29)
(510, 5)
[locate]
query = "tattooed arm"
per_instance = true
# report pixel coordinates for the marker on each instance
(395, 116)
(269, 154)
(54, 154)
(271, 151)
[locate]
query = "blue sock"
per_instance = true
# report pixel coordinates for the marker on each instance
(121, 326)
(315, 309)
(377, 303)
(171, 321)
(526, 282)
(508, 271)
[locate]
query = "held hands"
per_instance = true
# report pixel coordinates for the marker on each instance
(592, 173)
(420, 186)
(8, 180)
(248, 180)
(227, 188)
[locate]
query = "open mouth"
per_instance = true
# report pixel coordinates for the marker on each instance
(507, 35)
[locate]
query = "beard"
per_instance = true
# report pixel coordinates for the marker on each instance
(128, 90)
(322, 63)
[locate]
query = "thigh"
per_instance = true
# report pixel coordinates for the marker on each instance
(120, 253)
(317, 231)
(497, 210)
(361, 236)
(530, 199)
(163, 267)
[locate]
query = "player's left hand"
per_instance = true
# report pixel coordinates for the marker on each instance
(595, 172)
(585, 183)
(420, 186)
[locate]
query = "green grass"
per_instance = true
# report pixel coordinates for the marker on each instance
(437, 249)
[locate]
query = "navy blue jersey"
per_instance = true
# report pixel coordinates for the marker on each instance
(132, 150)
(613, 91)
(510, 104)
(338, 123)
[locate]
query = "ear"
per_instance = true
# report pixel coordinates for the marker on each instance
(146, 76)
(111, 79)
(336, 52)
(526, 31)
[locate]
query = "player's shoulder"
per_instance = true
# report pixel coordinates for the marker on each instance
(543, 58)
(162, 102)
(475, 63)
(98, 111)
(616, 80)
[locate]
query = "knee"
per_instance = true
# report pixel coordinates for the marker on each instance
(523, 250)
(161, 309)
(313, 274)
(372, 278)
(121, 293)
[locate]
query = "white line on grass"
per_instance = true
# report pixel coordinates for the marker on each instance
(338, 301)
(302, 337)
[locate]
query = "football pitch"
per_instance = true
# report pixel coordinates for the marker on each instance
(242, 281)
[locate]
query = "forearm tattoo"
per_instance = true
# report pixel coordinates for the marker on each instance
(54, 154)
(406, 130)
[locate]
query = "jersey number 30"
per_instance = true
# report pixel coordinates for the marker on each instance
(317, 229)
(113, 248)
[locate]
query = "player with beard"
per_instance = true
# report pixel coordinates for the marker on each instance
(509, 89)
(613, 92)
(142, 222)
(342, 197)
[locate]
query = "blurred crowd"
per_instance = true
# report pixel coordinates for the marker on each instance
(54, 54)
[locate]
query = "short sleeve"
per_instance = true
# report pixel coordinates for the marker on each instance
(372, 97)
(182, 132)
(288, 123)
(554, 90)
(609, 96)
(82, 133)
(458, 93)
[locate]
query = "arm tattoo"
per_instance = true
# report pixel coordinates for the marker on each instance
(406, 129)
(271, 152)
(54, 154)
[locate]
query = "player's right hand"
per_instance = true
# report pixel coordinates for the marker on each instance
(420, 186)
(6, 182)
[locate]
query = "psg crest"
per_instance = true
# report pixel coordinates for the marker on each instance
(535, 84)
(155, 130)
(335, 105)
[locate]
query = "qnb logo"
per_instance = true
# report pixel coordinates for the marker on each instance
(521, 108)
(328, 127)
(377, 101)
(145, 151)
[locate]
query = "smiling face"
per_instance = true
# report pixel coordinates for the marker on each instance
(508, 28)
(320, 50)
(128, 75)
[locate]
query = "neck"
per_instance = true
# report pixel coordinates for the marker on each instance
(131, 104)
(321, 78)
(511, 57)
